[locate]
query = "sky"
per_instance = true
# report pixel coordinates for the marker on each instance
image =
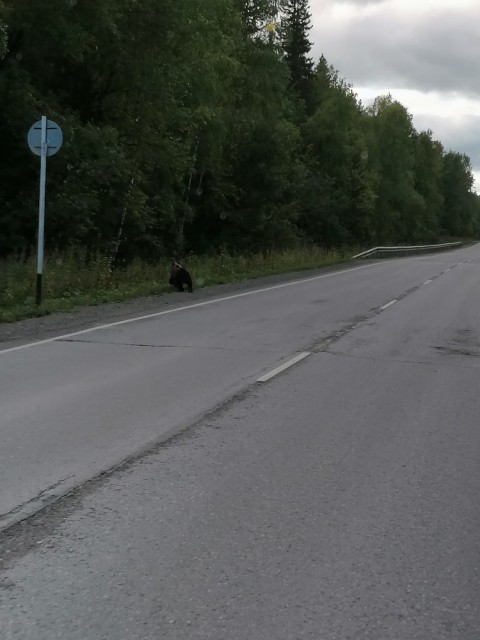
(425, 53)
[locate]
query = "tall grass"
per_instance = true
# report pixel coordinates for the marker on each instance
(70, 281)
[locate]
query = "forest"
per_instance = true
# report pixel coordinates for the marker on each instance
(206, 127)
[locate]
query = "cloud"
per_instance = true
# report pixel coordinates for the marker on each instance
(476, 186)
(436, 50)
(449, 105)
(462, 136)
(425, 53)
(454, 120)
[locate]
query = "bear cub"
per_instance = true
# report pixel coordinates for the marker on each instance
(179, 277)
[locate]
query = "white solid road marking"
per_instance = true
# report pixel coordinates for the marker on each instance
(185, 308)
(427, 282)
(389, 304)
(286, 365)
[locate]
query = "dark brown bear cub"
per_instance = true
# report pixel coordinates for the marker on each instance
(179, 277)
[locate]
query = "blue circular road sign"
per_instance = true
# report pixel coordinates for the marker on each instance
(54, 138)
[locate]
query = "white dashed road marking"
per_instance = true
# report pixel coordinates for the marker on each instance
(389, 304)
(286, 365)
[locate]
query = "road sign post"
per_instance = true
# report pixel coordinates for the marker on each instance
(44, 139)
(41, 209)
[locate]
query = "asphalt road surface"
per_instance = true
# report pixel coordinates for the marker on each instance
(337, 501)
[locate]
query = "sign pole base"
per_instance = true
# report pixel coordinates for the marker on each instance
(39, 289)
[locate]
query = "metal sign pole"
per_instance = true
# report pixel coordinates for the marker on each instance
(41, 209)
(44, 138)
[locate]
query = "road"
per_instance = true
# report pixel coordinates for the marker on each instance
(337, 500)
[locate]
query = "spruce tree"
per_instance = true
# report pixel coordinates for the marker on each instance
(295, 25)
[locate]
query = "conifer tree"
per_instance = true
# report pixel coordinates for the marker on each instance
(295, 25)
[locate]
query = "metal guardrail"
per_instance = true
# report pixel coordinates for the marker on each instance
(379, 252)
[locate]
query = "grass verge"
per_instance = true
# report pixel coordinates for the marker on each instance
(69, 282)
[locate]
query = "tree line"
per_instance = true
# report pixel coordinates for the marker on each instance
(206, 126)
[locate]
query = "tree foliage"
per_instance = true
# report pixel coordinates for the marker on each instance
(295, 25)
(3, 34)
(204, 126)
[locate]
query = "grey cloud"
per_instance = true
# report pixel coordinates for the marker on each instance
(440, 51)
(462, 136)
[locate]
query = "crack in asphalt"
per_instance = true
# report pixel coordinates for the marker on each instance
(324, 344)
(39, 497)
(158, 346)
(432, 363)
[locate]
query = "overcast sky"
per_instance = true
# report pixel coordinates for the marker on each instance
(426, 53)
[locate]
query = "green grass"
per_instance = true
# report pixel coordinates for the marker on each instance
(68, 282)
